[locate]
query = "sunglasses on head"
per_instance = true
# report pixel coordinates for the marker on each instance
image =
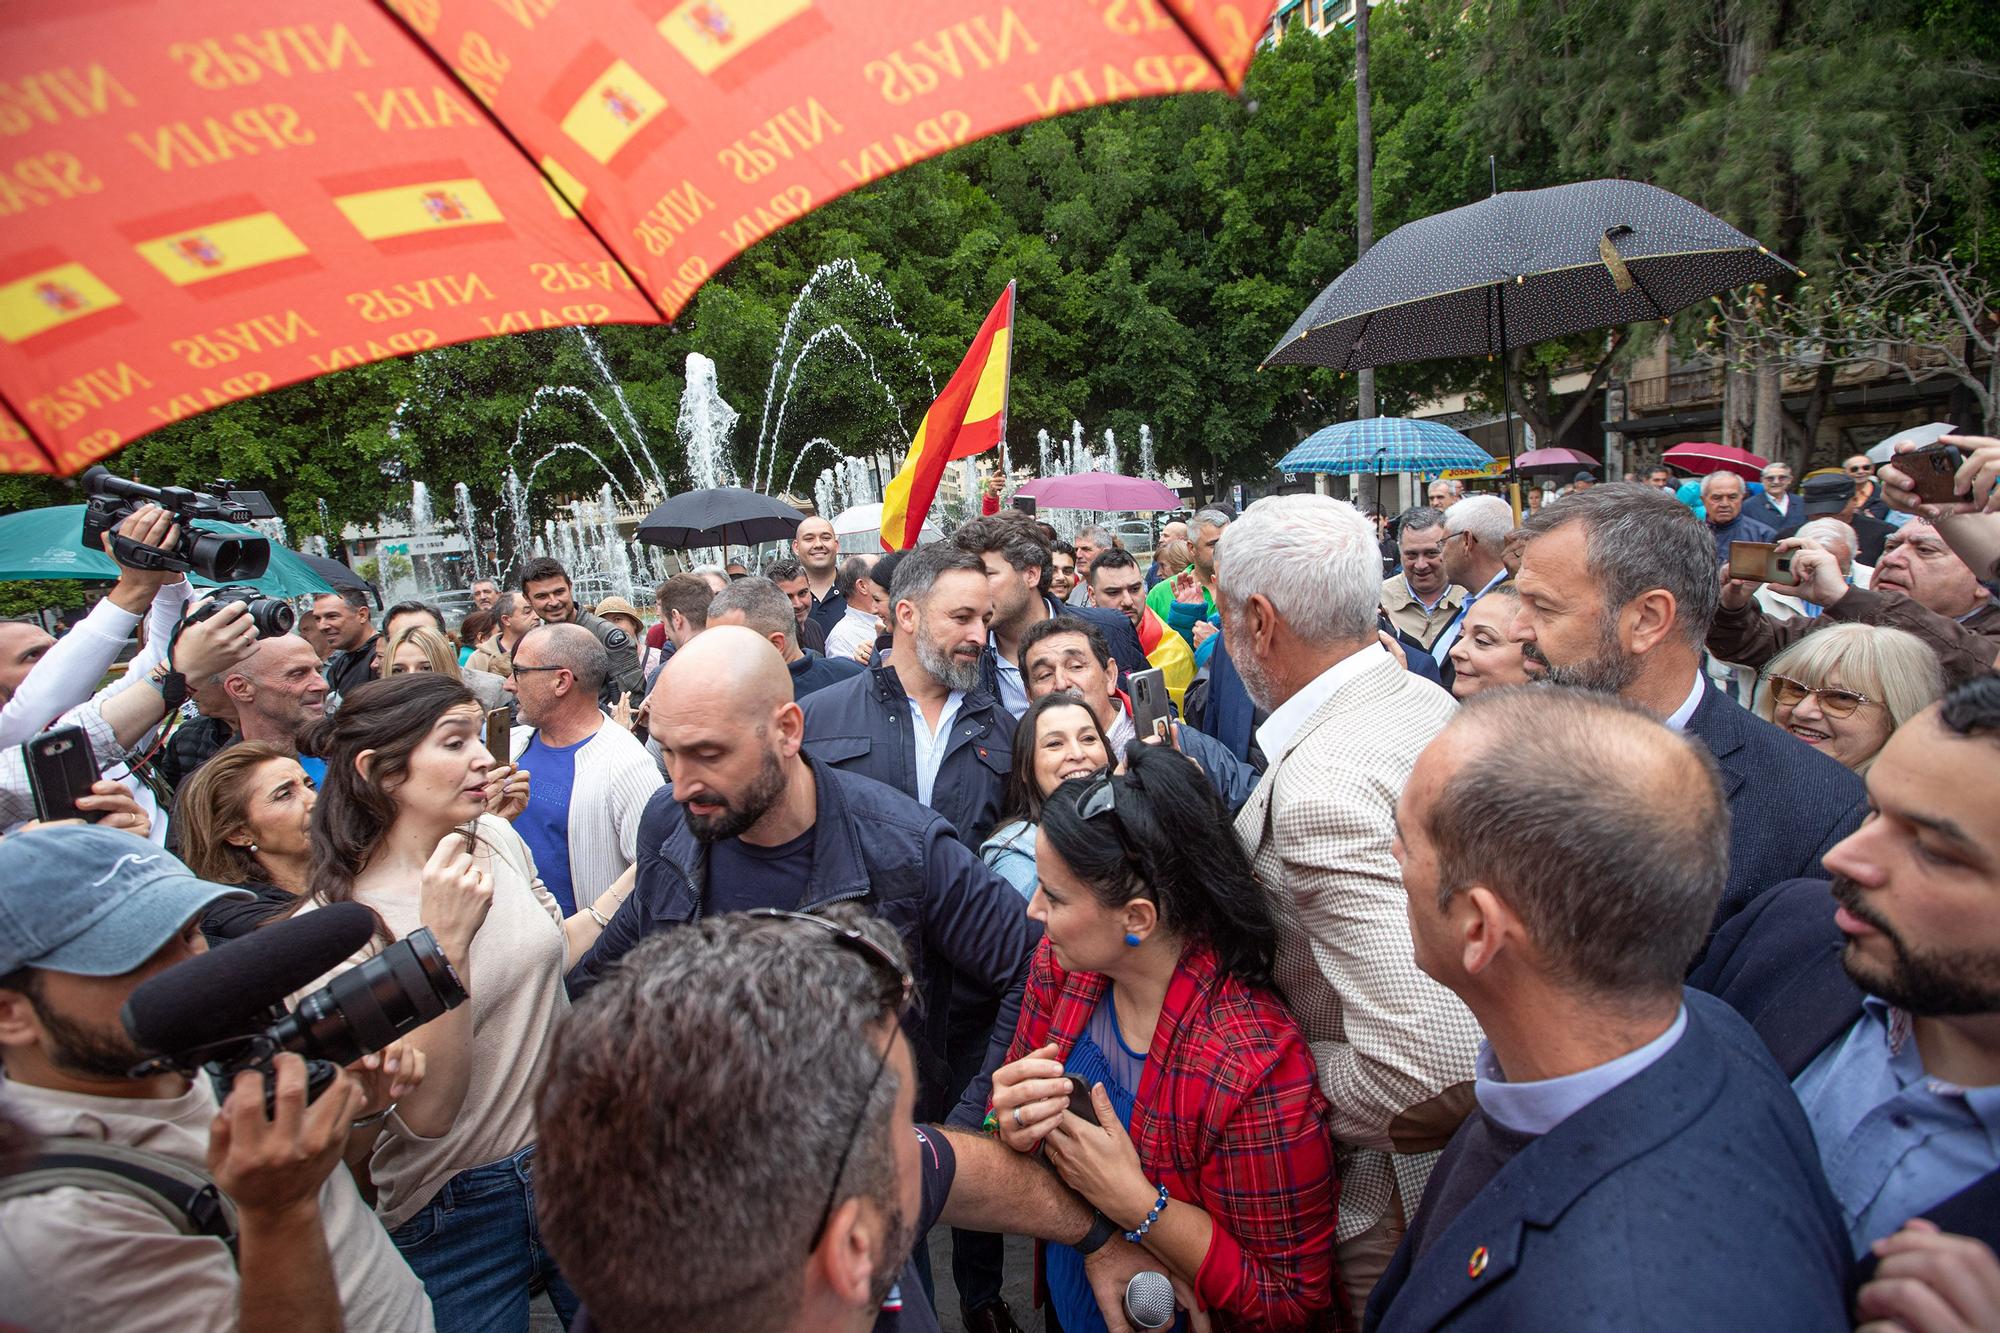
(1835, 702)
(897, 988)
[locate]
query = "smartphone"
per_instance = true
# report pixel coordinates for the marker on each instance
(1079, 1098)
(61, 768)
(1150, 708)
(500, 736)
(1024, 503)
(1761, 561)
(1931, 471)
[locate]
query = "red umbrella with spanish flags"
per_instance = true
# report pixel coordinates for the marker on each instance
(969, 417)
(203, 202)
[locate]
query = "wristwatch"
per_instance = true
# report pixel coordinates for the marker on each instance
(1102, 1229)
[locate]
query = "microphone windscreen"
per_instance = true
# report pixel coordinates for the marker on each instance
(1149, 1300)
(226, 992)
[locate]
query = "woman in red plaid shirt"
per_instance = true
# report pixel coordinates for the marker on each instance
(1153, 984)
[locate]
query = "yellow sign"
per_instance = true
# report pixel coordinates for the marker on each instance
(1496, 468)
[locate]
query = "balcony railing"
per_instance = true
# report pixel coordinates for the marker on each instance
(1682, 388)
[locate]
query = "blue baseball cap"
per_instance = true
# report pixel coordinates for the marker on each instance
(93, 902)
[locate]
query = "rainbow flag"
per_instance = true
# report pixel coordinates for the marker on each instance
(1168, 651)
(968, 418)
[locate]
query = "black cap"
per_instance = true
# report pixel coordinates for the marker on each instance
(1583, 476)
(1826, 494)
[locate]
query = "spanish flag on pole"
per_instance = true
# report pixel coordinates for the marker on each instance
(968, 418)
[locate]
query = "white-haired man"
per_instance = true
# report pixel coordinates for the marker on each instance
(1475, 539)
(1722, 495)
(1298, 577)
(1837, 539)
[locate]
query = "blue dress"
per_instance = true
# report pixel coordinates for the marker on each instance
(1100, 1056)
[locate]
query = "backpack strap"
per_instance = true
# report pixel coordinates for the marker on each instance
(184, 1195)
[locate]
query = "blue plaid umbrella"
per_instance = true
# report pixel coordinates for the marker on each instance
(1384, 444)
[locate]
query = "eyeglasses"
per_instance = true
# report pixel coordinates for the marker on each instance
(528, 671)
(897, 989)
(1789, 693)
(1860, 469)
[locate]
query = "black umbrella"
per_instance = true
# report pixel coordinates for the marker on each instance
(337, 574)
(719, 516)
(1520, 268)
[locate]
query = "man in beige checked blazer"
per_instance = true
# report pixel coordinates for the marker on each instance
(1298, 577)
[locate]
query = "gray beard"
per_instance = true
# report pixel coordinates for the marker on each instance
(954, 673)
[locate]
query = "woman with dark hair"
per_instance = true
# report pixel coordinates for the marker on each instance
(403, 827)
(1056, 739)
(1206, 1141)
(245, 817)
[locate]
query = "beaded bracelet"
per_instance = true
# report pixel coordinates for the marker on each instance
(990, 1126)
(1159, 1206)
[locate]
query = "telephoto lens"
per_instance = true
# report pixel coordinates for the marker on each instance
(367, 1007)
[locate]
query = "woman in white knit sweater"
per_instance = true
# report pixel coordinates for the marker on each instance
(405, 797)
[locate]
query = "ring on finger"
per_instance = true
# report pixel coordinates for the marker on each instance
(1018, 1122)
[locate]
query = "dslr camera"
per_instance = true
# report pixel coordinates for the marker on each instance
(273, 616)
(223, 1010)
(218, 556)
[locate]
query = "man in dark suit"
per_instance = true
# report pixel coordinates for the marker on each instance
(1618, 587)
(1563, 854)
(1775, 506)
(1879, 994)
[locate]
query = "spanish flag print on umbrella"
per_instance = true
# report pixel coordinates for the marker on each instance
(968, 418)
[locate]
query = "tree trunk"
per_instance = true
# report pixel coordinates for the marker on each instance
(1364, 176)
(1767, 428)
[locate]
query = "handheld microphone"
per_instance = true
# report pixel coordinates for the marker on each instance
(1149, 1300)
(228, 992)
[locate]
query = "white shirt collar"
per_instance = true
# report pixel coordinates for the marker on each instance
(1678, 719)
(1122, 734)
(1537, 1108)
(1286, 719)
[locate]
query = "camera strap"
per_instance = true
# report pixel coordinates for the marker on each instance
(184, 1195)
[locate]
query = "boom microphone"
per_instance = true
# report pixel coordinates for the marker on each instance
(228, 992)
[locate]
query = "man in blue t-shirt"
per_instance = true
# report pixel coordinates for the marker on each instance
(589, 780)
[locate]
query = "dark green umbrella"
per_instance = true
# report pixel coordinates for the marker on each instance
(48, 544)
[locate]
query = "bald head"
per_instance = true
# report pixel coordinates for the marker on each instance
(729, 732)
(816, 548)
(729, 675)
(1605, 833)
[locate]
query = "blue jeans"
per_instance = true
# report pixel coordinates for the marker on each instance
(478, 1250)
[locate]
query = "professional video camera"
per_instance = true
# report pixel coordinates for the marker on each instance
(222, 557)
(223, 1010)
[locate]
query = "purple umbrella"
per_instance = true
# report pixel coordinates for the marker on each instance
(1099, 490)
(1553, 460)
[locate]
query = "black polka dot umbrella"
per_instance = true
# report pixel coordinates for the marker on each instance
(1520, 268)
(1538, 264)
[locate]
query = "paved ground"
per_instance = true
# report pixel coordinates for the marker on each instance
(1019, 1290)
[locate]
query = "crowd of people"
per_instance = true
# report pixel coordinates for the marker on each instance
(1507, 926)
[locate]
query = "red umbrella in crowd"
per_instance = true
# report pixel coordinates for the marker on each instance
(1701, 458)
(205, 202)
